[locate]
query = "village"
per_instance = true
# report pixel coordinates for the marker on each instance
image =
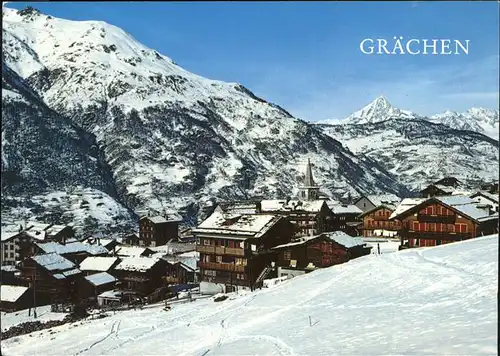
(240, 246)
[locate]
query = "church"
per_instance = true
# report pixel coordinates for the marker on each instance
(308, 212)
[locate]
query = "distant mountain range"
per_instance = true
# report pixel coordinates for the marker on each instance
(480, 120)
(100, 126)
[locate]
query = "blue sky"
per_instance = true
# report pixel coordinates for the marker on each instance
(305, 56)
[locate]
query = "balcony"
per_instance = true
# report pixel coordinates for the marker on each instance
(222, 266)
(438, 235)
(443, 219)
(220, 250)
(380, 218)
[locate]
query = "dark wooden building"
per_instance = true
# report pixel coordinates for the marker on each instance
(15, 298)
(235, 249)
(53, 277)
(308, 217)
(309, 253)
(439, 220)
(179, 273)
(376, 222)
(443, 187)
(158, 230)
(369, 202)
(92, 285)
(345, 217)
(140, 276)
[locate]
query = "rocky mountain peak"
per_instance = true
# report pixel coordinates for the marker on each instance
(378, 110)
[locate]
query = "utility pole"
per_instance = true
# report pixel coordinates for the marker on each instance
(34, 294)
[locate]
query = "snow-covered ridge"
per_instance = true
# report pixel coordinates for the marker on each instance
(485, 121)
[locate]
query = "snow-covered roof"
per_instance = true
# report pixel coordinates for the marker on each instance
(242, 224)
(8, 234)
(489, 217)
(72, 247)
(11, 293)
(462, 204)
(131, 251)
(53, 262)
(490, 196)
(172, 217)
(339, 208)
(405, 205)
(111, 294)
(339, 237)
(313, 206)
(299, 241)
(100, 279)
(55, 229)
(98, 263)
(172, 248)
(344, 239)
(139, 264)
(381, 199)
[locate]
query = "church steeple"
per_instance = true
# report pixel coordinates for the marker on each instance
(309, 180)
(308, 190)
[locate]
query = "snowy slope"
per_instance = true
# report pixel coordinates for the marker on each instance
(429, 301)
(172, 138)
(419, 152)
(480, 120)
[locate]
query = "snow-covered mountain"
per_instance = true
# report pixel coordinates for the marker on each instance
(50, 168)
(173, 139)
(418, 151)
(378, 110)
(430, 301)
(480, 120)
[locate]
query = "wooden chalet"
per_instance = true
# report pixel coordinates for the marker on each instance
(93, 285)
(369, 202)
(158, 230)
(92, 265)
(52, 276)
(13, 298)
(492, 187)
(345, 217)
(74, 251)
(131, 239)
(309, 253)
(439, 220)
(140, 276)
(376, 221)
(179, 273)
(487, 198)
(443, 187)
(235, 248)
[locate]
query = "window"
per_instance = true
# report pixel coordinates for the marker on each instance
(206, 258)
(218, 259)
(287, 255)
(240, 262)
(460, 228)
(198, 241)
(206, 242)
(210, 273)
